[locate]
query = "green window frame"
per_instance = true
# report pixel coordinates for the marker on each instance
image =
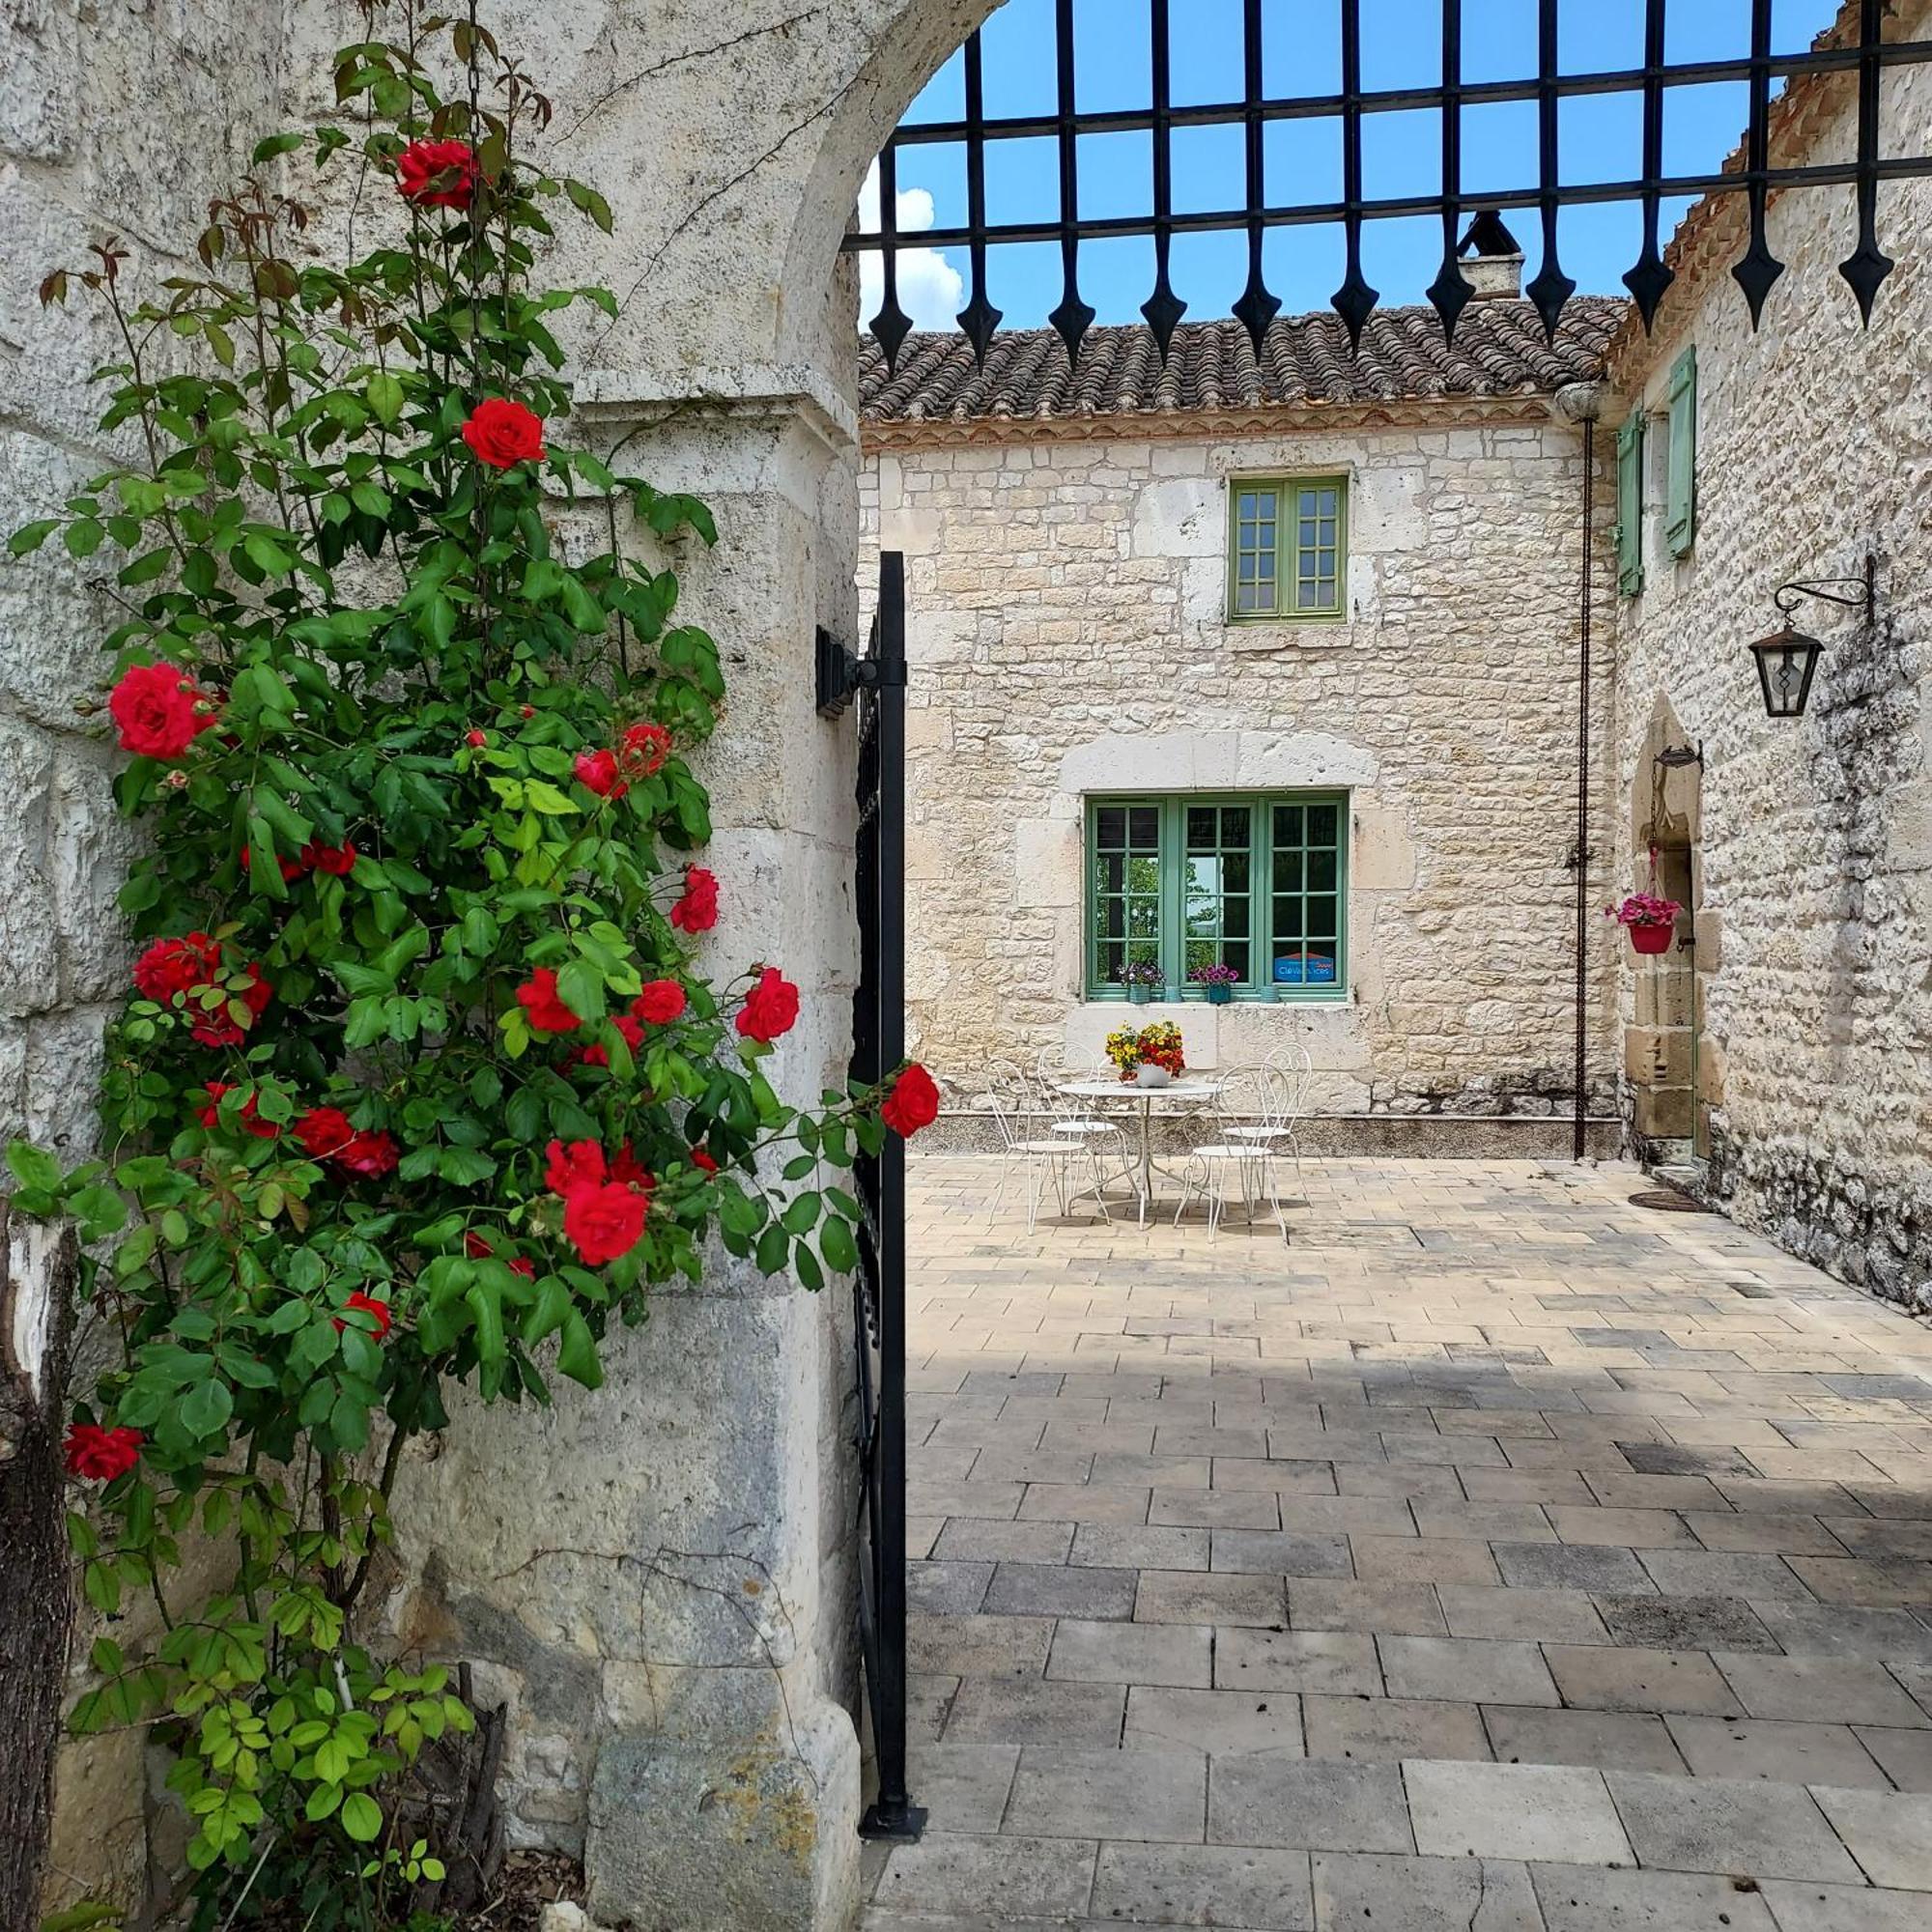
(1288, 548)
(1629, 503)
(1258, 881)
(1680, 500)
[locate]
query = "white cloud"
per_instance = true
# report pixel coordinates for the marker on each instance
(931, 290)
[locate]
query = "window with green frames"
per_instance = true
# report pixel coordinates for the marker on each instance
(1258, 883)
(1287, 546)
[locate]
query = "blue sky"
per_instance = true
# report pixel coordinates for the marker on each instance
(1600, 140)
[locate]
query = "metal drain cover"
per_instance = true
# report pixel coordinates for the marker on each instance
(1668, 1201)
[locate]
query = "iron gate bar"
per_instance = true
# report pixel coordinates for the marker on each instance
(1868, 54)
(878, 1288)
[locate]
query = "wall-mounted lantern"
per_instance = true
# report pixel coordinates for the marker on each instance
(1787, 659)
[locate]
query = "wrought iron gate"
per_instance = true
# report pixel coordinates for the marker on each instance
(878, 1312)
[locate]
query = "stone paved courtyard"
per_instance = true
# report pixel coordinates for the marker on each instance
(1499, 1556)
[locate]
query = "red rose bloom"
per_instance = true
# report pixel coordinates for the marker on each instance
(209, 1116)
(703, 1160)
(597, 771)
(437, 174)
(913, 1103)
(336, 859)
(599, 1054)
(538, 997)
(604, 1222)
(625, 1171)
(476, 1247)
(371, 1156)
(367, 1304)
(580, 1164)
(172, 966)
(659, 1003)
(502, 432)
(323, 1132)
(161, 711)
(97, 1455)
(475, 739)
(697, 910)
(216, 1026)
(291, 868)
(645, 748)
(523, 1266)
(771, 1006)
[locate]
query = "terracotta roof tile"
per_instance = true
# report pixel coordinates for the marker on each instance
(1500, 351)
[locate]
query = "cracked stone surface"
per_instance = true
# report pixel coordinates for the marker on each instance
(1361, 1582)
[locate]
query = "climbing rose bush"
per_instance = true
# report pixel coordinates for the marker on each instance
(421, 1080)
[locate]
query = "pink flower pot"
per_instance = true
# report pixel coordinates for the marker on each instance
(1652, 938)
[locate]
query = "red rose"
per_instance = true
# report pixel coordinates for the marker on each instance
(525, 1267)
(597, 771)
(437, 174)
(161, 711)
(538, 997)
(324, 1131)
(98, 1455)
(216, 1026)
(209, 1116)
(371, 1156)
(913, 1103)
(771, 1006)
(625, 1171)
(645, 748)
(502, 432)
(580, 1164)
(659, 1003)
(604, 1222)
(697, 910)
(703, 1160)
(337, 859)
(172, 966)
(367, 1304)
(600, 1055)
(476, 1247)
(475, 739)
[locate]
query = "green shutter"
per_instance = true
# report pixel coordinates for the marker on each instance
(1630, 502)
(1680, 527)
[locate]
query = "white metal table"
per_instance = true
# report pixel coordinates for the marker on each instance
(1188, 1090)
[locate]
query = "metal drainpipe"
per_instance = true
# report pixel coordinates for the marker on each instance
(1581, 403)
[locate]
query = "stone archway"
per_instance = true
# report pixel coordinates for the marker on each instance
(1672, 1072)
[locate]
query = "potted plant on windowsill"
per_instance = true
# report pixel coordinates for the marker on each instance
(1140, 977)
(1219, 980)
(1650, 922)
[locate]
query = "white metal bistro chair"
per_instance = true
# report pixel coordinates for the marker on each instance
(1077, 1118)
(1027, 1149)
(1275, 1096)
(1242, 1163)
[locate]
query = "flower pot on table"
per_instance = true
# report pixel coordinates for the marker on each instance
(1153, 1076)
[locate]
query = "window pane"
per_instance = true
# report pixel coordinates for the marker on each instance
(1110, 827)
(1321, 824)
(1143, 821)
(1287, 825)
(1322, 871)
(1200, 826)
(1322, 915)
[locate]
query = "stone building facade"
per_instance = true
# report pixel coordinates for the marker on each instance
(1786, 1052)
(1072, 637)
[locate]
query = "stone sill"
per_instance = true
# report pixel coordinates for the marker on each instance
(1309, 634)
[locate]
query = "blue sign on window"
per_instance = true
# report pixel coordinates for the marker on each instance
(1304, 968)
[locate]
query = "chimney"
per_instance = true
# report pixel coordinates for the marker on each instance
(1492, 259)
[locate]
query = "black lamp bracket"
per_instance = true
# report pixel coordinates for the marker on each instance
(1832, 589)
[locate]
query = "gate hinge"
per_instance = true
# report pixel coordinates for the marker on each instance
(842, 674)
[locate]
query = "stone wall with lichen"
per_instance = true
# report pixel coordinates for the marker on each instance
(1813, 848)
(1067, 635)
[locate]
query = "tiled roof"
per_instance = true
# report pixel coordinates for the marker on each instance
(1500, 351)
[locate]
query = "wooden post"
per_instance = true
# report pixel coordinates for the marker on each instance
(40, 1262)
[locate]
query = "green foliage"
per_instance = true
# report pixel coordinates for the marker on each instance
(408, 665)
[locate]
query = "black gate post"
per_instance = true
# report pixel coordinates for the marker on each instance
(878, 1312)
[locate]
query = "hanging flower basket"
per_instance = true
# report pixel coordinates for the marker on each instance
(1650, 922)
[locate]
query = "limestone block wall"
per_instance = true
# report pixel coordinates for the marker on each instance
(1067, 636)
(1813, 864)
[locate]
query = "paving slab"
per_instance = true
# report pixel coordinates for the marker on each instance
(978, 1646)
(1200, 1597)
(1007, 1878)
(1471, 1668)
(1357, 1893)
(1513, 1812)
(1726, 1825)
(1890, 1833)
(1279, 1553)
(1205, 1885)
(1536, 1616)
(1608, 1740)
(1844, 1908)
(946, 1589)
(1603, 1678)
(1121, 1653)
(1390, 1729)
(1396, 1609)
(1329, 1661)
(1658, 1622)
(1584, 1898)
(1307, 1804)
(1021, 1711)
(1218, 1722)
(1823, 1689)
(1060, 1590)
(1571, 1566)
(963, 1786)
(1904, 1756)
(1110, 1793)
(1785, 1753)
(1109, 1546)
(978, 1539)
